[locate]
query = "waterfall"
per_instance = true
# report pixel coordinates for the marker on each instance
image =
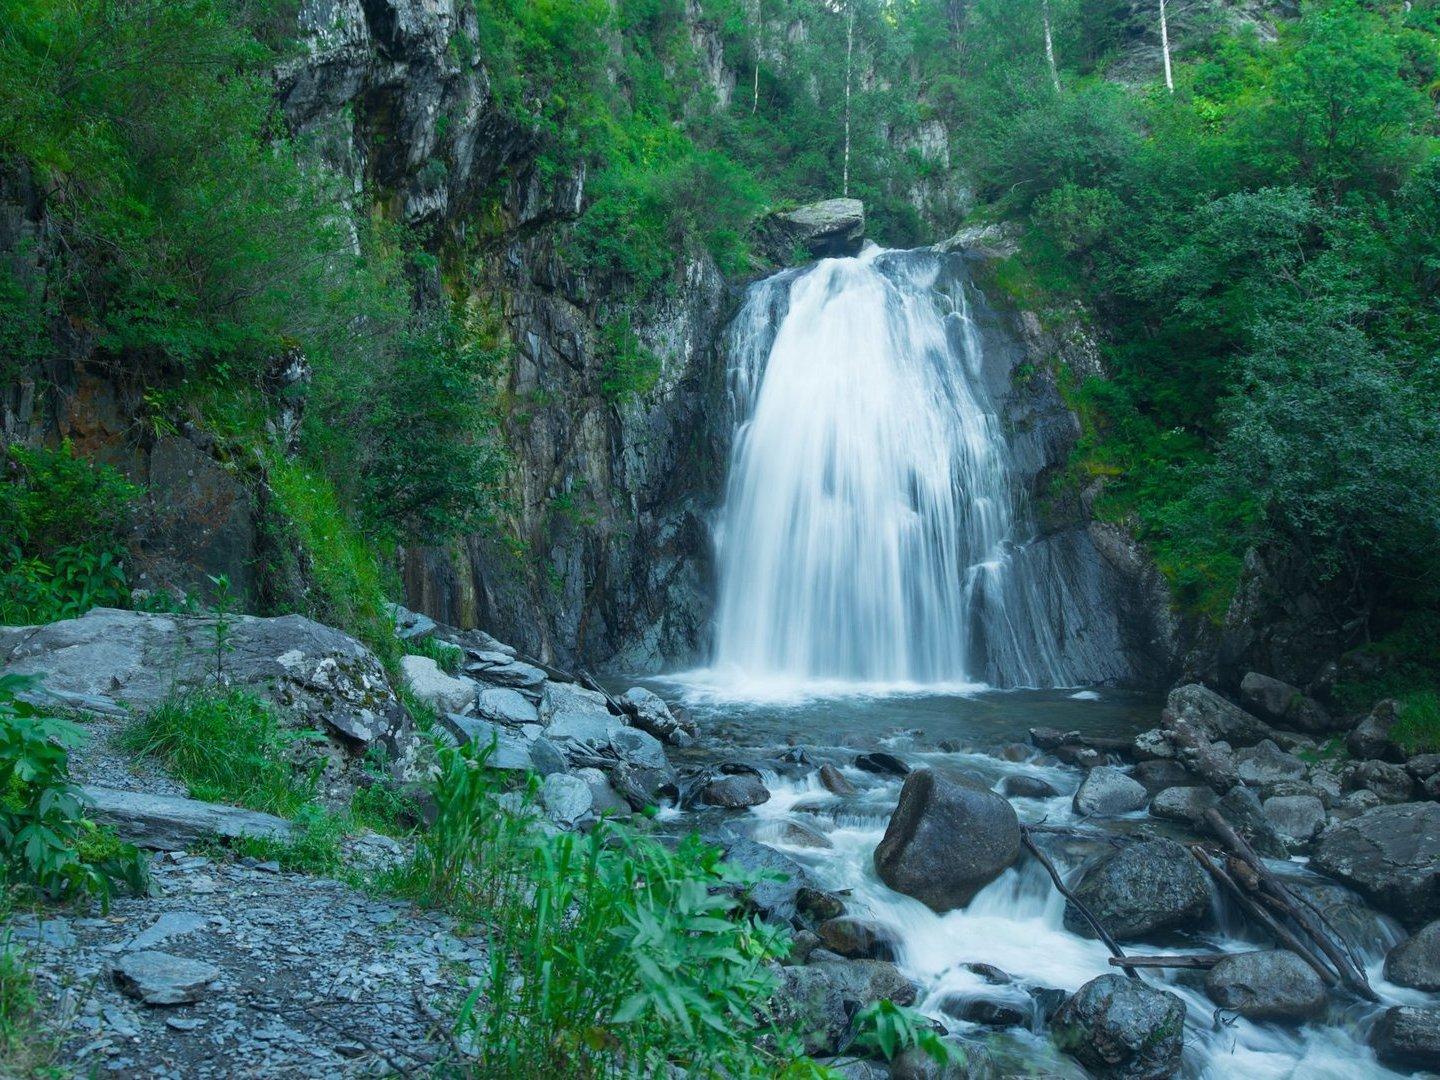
(873, 530)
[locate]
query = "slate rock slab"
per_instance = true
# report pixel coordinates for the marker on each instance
(157, 978)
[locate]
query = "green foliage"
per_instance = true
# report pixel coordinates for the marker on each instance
(609, 952)
(889, 1029)
(628, 368)
(1418, 727)
(25, 1048)
(42, 826)
(226, 746)
(442, 652)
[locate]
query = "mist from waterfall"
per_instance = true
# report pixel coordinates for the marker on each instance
(873, 531)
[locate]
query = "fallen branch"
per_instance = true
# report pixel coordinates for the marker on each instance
(1204, 961)
(1104, 935)
(1316, 928)
(1278, 931)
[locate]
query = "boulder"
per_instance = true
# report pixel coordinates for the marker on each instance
(566, 798)
(1390, 783)
(857, 939)
(443, 693)
(819, 1000)
(172, 823)
(946, 841)
(649, 713)
(797, 834)
(1159, 774)
(1284, 705)
(1241, 807)
(1391, 855)
(501, 669)
(834, 780)
(778, 878)
(882, 764)
(1265, 763)
(319, 678)
(1296, 818)
(1408, 1038)
(1021, 786)
(1272, 985)
(735, 791)
(507, 750)
(1186, 805)
(1371, 740)
(501, 705)
(157, 978)
(822, 230)
(1415, 962)
(1108, 792)
(989, 1011)
(1142, 888)
(1217, 718)
(1122, 1028)
(411, 625)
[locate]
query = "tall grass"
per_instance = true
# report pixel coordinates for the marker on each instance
(609, 953)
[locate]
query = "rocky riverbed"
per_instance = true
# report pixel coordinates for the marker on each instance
(910, 866)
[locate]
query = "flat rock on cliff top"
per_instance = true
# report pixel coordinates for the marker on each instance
(823, 229)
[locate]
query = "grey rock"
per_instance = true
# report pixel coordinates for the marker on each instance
(510, 752)
(1415, 962)
(1391, 855)
(49, 933)
(857, 939)
(502, 705)
(157, 978)
(1408, 1038)
(411, 625)
(1140, 889)
(1122, 1028)
(1021, 786)
(823, 229)
(172, 924)
(1157, 775)
(1216, 717)
(1184, 804)
(798, 834)
(515, 674)
(566, 798)
(546, 757)
(443, 693)
(170, 823)
(882, 764)
(987, 1011)
(779, 878)
(572, 714)
(1297, 818)
(1108, 792)
(946, 841)
(1390, 782)
(834, 780)
(605, 801)
(1241, 807)
(1371, 738)
(1423, 766)
(735, 791)
(819, 999)
(1282, 704)
(1265, 763)
(1272, 985)
(649, 713)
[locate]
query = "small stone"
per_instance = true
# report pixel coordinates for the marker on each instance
(882, 764)
(834, 780)
(738, 791)
(1021, 786)
(857, 939)
(172, 924)
(184, 1023)
(157, 978)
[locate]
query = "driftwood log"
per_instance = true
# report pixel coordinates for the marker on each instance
(1117, 953)
(1202, 961)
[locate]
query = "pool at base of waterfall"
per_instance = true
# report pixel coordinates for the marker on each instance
(1015, 925)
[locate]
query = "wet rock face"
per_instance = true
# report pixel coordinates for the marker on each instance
(1408, 1038)
(946, 841)
(1141, 888)
(1284, 705)
(1391, 855)
(1416, 961)
(1275, 985)
(821, 230)
(1122, 1028)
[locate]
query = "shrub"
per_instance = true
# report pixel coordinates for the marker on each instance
(42, 826)
(609, 952)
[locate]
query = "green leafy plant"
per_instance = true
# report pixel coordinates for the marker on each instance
(42, 826)
(888, 1029)
(442, 652)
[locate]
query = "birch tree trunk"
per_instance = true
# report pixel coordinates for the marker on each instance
(1165, 48)
(849, 58)
(1050, 43)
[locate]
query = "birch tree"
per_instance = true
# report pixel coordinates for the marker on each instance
(849, 67)
(1050, 42)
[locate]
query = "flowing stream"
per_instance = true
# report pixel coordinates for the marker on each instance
(880, 579)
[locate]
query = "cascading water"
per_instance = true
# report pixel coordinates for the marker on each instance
(873, 530)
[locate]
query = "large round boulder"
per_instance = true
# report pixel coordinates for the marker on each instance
(1391, 855)
(1408, 1038)
(1274, 985)
(1415, 962)
(1141, 888)
(1107, 792)
(946, 840)
(1122, 1028)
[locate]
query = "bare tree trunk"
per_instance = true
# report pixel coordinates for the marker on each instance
(1049, 44)
(849, 58)
(1165, 48)
(755, 101)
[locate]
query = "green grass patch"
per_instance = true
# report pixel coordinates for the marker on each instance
(26, 1050)
(1417, 729)
(226, 747)
(442, 652)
